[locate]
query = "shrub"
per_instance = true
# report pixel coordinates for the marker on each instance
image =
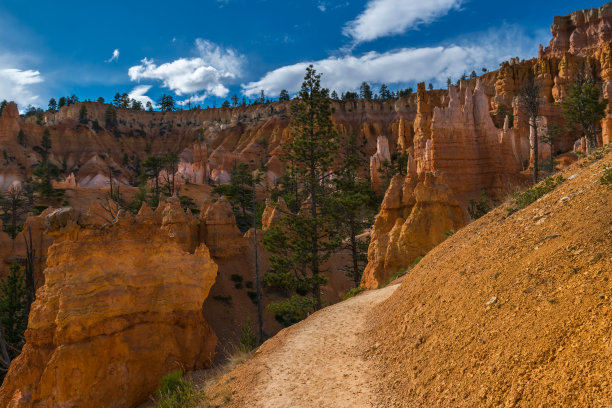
(248, 339)
(292, 310)
(477, 209)
(353, 292)
(522, 200)
(606, 179)
(176, 392)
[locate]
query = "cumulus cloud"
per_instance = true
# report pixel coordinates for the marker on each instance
(17, 85)
(139, 93)
(211, 71)
(115, 56)
(390, 17)
(406, 65)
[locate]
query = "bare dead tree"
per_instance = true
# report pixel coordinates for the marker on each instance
(529, 104)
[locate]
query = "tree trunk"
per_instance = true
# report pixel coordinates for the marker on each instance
(257, 280)
(356, 277)
(535, 149)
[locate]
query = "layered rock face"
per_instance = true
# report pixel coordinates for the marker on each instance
(581, 32)
(120, 307)
(414, 218)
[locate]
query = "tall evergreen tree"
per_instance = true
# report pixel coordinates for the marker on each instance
(13, 316)
(584, 108)
(365, 91)
(45, 171)
(529, 104)
(304, 240)
(284, 96)
(355, 206)
(52, 105)
(153, 165)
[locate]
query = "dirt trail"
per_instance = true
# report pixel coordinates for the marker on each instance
(317, 362)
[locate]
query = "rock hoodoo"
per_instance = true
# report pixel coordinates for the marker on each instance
(120, 307)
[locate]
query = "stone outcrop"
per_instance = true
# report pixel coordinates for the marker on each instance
(414, 218)
(218, 229)
(120, 307)
(581, 32)
(376, 161)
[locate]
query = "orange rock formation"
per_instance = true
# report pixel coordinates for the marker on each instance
(120, 307)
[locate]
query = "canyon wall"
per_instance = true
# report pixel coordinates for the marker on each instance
(456, 139)
(120, 307)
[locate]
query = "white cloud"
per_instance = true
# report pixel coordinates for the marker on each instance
(322, 6)
(404, 66)
(115, 56)
(390, 17)
(16, 85)
(139, 93)
(214, 68)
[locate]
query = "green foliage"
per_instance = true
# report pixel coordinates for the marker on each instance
(355, 205)
(304, 239)
(110, 117)
(45, 171)
(449, 233)
(227, 299)
(606, 179)
(284, 96)
(583, 108)
(477, 209)
(500, 116)
(365, 91)
(522, 200)
(83, 114)
(166, 103)
(248, 339)
(353, 292)
(292, 310)
(13, 315)
(176, 392)
(397, 166)
(401, 272)
(239, 193)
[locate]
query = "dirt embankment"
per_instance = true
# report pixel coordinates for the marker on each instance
(513, 310)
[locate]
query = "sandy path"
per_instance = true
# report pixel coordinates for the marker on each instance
(319, 363)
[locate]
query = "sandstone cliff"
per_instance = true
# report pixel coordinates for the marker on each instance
(120, 307)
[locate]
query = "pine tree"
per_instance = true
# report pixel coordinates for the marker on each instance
(52, 105)
(583, 108)
(13, 316)
(355, 206)
(110, 117)
(365, 91)
(529, 104)
(153, 165)
(45, 170)
(83, 114)
(303, 240)
(284, 96)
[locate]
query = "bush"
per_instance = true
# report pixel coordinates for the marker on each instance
(248, 339)
(292, 310)
(606, 179)
(353, 292)
(176, 392)
(477, 209)
(522, 200)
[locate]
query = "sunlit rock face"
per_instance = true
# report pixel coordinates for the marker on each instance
(120, 307)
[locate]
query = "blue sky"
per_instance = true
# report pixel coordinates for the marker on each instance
(210, 49)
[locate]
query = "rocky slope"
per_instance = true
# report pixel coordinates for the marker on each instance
(513, 310)
(120, 307)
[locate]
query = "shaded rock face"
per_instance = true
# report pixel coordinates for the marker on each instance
(382, 154)
(120, 307)
(414, 218)
(218, 229)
